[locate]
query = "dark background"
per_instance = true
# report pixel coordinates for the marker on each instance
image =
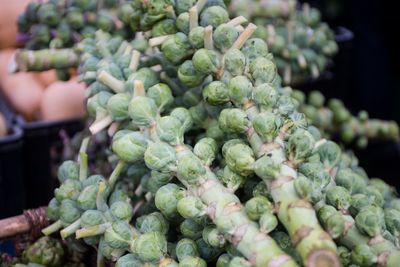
(372, 68)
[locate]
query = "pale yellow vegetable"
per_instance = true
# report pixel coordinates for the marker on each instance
(63, 100)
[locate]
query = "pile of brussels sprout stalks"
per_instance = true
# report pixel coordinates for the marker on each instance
(301, 44)
(255, 186)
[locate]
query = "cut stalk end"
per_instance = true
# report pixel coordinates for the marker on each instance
(156, 41)
(322, 258)
(99, 125)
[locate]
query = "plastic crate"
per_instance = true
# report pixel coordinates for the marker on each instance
(41, 142)
(12, 199)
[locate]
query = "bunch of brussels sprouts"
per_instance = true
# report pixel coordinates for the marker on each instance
(58, 24)
(301, 44)
(214, 163)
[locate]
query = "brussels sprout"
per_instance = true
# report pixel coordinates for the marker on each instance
(161, 94)
(338, 197)
(363, 255)
(262, 70)
(224, 36)
(329, 153)
(213, 237)
(190, 261)
(316, 173)
(176, 48)
(69, 211)
(301, 144)
(254, 48)
(146, 75)
(117, 106)
(233, 121)
(256, 206)
(182, 22)
(184, 5)
(266, 125)
(164, 27)
(53, 209)
(303, 187)
(167, 198)
(191, 229)
(392, 220)
(196, 37)
(185, 248)
(153, 222)
(216, 93)
(268, 222)
(350, 180)
(129, 260)
(169, 130)
(240, 159)
(68, 170)
(206, 150)
(265, 96)
(119, 235)
(214, 16)
(70, 189)
(190, 169)
(46, 251)
(370, 220)
(143, 111)
(235, 61)
(224, 260)
(87, 197)
(150, 247)
(239, 261)
(206, 61)
(240, 89)
(98, 102)
(188, 75)
(161, 157)
(207, 253)
(129, 146)
(184, 116)
(191, 207)
(122, 210)
(374, 195)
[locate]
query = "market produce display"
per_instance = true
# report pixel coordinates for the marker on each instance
(213, 161)
(301, 43)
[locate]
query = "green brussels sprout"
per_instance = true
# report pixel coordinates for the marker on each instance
(374, 194)
(69, 211)
(53, 209)
(235, 61)
(184, 116)
(182, 22)
(87, 197)
(68, 170)
(153, 222)
(92, 218)
(166, 200)
(254, 48)
(190, 261)
(369, 220)
(265, 96)
(392, 220)
(122, 211)
(261, 189)
(268, 222)
(240, 89)
(46, 251)
(169, 130)
(316, 99)
(161, 157)
(191, 169)
(335, 225)
(192, 97)
(329, 153)
(129, 260)
(262, 70)
(206, 61)
(224, 36)
(285, 105)
(146, 75)
(98, 102)
(150, 247)
(143, 111)
(184, 5)
(266, 125)
(344, 255)
(240, 159)
(70, 189)
(213, 237)
(224, 260)
(314, 132)
(129, 146)
(119, 235)
(216, 93)
(109, 252)
(214, 16)
(350, 180)
(191, 229)
(117, 106)
(176, 48)
(359, 201)
(239, 262)
(316, 173)
(47, 14)
(363, 255)
(303, 187)
(161, 94)
(164, 27)
(207, 253)
(188, 75)
(231, 179)
(338, 197)
(382, 187)
(325, 212)
(257, 206)
(206, 150)
(191, 207)
(196, 37)
(266, 168)
(185, 248)
(233, 120)
(301, 144)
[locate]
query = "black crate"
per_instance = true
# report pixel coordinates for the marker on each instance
(41, 142)
(12, 200)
